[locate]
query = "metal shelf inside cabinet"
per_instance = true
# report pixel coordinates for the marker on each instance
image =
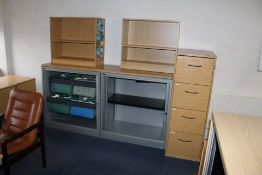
(70, 102)
(75, 82)
(137, 101)
(73, 120)
(134, 129)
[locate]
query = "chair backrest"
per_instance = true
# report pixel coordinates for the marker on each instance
(23, 110)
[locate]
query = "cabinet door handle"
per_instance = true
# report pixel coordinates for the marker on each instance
(192, 65)
(190, 92)
(188, 117)
(184, 140)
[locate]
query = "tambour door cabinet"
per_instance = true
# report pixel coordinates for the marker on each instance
(192, 87)
(11, 81)
(124, 105)
(72, 98)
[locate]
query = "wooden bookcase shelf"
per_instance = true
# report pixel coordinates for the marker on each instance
(74, 58)
(73, 41)
(75, 38)
(149, 45)
(62, 49)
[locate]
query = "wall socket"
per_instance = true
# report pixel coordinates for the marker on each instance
(260, 61)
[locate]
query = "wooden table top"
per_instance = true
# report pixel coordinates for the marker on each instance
(11, 80)
(240, 143)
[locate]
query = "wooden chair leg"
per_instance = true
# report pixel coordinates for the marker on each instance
(6, 166)
(43, 155)
(42, 139)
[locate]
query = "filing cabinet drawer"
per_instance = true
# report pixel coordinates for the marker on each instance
(187, 121)
(185, 146)
(194, 70)
(189, 96)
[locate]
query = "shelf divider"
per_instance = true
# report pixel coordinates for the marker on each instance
(149, 47)
(137, 101)
(74, 58)
(73, 41)
(75, 82)
(70, 102)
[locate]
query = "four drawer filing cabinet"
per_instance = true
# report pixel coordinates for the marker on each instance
(193, 79)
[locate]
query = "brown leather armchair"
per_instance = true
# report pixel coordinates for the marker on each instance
(22, 129)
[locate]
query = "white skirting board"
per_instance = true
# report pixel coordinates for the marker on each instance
(234, 104)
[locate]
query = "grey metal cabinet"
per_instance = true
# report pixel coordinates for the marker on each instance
(127, 108)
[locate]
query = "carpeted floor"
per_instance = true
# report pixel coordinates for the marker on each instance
(75, 154)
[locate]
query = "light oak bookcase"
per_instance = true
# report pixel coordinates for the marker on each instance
(149, 45)
(77, 41)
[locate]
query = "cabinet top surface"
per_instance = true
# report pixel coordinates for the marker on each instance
(240, 143)
(114, 69)
(196, 53)
(11, 80)
(76, 18)
(151, 20)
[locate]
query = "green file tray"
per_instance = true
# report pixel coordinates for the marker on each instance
(59, 108)
(62, 88)
(84, 91)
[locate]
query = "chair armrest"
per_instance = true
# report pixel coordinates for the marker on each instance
(8, 139)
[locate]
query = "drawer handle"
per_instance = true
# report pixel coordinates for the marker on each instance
(184, 140)
(190, 92)
(191, 65)
(188, 117)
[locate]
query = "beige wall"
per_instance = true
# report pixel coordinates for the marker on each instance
(232, 29)
(3, 64)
